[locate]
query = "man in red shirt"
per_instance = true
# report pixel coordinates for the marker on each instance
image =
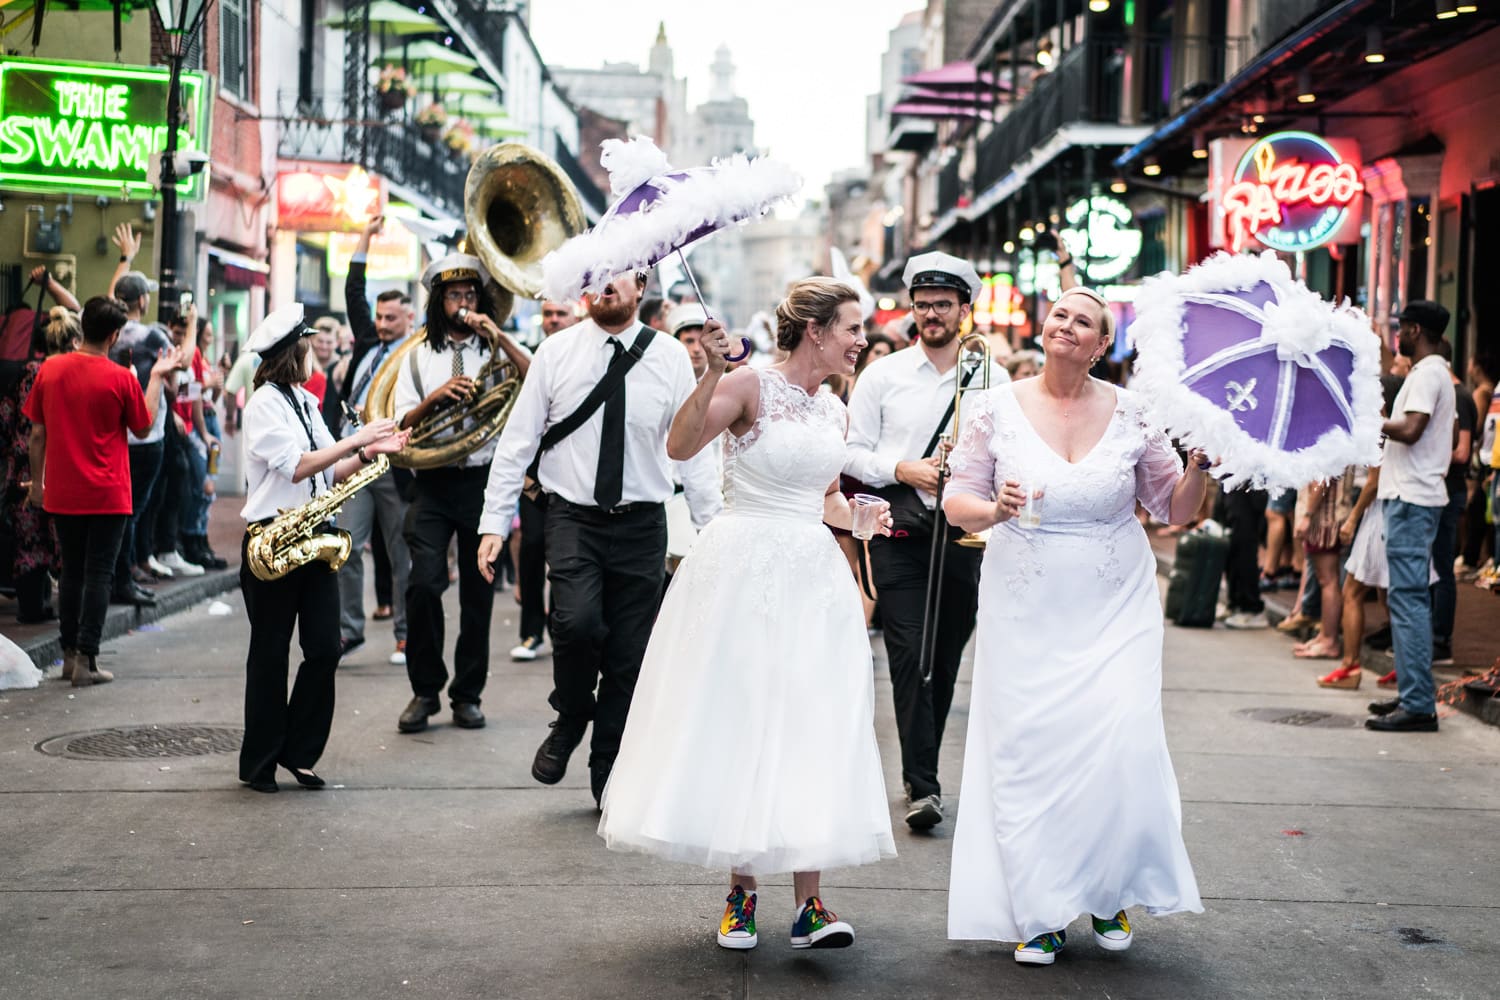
(80, 408)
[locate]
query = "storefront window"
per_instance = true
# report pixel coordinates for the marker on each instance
(1419, 237)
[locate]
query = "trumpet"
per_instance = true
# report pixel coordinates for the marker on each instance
(966, 379)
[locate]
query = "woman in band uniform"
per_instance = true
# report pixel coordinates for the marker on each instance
(290, 458)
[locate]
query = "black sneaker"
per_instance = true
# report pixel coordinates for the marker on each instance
(551, 761)
(1380, 638)
(1442, 654)
(347, 646)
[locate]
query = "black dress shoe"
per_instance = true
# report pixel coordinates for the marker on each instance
(305, 777)
(551, 761)
(1385, 707)
(47, 614)
(134, 594)
(347, 646)
(140, 576)
(414, 718)
(263, 785)
(1402, 721)
(598, 778)
(466, 715)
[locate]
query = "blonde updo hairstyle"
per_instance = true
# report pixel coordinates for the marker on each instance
(811, 300)
(1106, 318)
(62, 330)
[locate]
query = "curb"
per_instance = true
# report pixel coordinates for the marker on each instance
(45, 650)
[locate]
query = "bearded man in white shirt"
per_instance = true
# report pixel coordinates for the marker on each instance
(439, 373)
(894, 415)
(603, 486)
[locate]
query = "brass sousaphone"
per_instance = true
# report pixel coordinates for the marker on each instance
(519, 206)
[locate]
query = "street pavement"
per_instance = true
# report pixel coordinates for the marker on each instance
(1333, 862)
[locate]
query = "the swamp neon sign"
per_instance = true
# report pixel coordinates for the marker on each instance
(94, 128)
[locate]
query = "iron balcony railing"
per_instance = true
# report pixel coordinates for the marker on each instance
(950, 185)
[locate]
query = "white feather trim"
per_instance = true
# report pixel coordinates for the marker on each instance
(631, 164)
(841, 272)
(732, 191)
(1299, 323)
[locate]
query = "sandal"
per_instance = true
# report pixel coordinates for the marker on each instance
(1309, 650)
(1388, 681)
(1347, 676)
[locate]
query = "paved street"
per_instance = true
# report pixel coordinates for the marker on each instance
(1333, 862)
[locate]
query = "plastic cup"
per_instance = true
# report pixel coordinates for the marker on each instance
(866, 511)
(1030, 515)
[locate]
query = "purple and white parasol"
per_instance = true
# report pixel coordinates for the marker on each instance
(660, 211)
(1241, 360)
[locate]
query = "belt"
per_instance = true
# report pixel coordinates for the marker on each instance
(621, 508)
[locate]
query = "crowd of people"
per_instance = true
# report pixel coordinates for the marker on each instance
(824, 480)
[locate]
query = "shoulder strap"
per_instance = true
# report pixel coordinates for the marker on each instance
(312, 442)
(948, 413)
(416, 373)
(614, 377)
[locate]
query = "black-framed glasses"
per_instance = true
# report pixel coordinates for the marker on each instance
(941, 308)
(457, 295)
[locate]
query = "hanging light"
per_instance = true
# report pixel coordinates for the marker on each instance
(1305, 93)
(1044, 52)
(1152, 168)
(1009, 246)
(1200, 145)
(1117, 186)
(1465, 7)
(1374, 45)
(1447, 9)
(1027, 234)
(1098, 6)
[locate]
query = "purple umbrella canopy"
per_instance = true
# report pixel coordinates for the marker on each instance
(1241, 360)
(659, 211)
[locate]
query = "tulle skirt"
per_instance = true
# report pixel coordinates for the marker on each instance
(750, 743)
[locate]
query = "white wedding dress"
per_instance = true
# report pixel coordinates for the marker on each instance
(750, 743)
(1068, 803)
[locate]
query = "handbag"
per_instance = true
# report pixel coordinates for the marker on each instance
(614, 377)
(910, 517)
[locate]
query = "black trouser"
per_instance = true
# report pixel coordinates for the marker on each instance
(145, 469)
(900, 568)
(168, 501)
(382, 560)
(1476, 530)
(531, 574)
(1245, 517)
(448, 502)
(278, 731)
(606, 575)
(90, 544)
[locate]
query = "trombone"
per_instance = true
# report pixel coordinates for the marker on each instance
(932, 608)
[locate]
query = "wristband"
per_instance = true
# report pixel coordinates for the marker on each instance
(363, 458)
(124, 259)
(1061, 263)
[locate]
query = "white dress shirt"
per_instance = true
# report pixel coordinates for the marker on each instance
(364, 376)
(436, 367)
(565, 369)
(893, 410)
(275, 441)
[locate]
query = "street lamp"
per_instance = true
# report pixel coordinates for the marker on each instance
(180, 19)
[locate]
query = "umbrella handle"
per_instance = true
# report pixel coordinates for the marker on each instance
(745, 347)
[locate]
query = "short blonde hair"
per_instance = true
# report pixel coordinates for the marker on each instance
(1106, 318)
(63, 331)
(813, 300)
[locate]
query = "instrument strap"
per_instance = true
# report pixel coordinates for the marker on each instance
(948, 413)
(299, 408)
(614, 377)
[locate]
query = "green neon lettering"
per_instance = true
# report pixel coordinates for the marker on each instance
(114, 102)
(16, 145)
(95, 150)
(58, 141)
(132, 144)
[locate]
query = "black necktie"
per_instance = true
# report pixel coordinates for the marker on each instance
(609, 480)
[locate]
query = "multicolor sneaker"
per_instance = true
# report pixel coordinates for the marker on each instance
(737, 929)
(819, 927)
(1112, 934)
(1042, 949)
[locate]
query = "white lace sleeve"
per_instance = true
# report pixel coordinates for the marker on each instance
(1157, 471)
(971, 463)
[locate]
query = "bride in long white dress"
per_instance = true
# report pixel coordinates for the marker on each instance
(750, 743)
(1068, 803)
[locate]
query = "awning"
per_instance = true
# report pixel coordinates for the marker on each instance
(240, 271)
(915, 109)
(960, 74)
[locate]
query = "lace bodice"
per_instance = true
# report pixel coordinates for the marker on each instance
(782, 466)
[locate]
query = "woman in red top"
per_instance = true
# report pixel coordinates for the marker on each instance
(79, 408)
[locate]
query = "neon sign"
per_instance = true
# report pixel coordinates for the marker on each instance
(336, 199)
(1290, 191)
(89, 127)
(1100, 237)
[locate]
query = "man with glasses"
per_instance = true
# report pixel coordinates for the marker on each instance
(437, 374)
(894, 414)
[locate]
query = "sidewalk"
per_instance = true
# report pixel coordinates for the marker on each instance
(225, 531)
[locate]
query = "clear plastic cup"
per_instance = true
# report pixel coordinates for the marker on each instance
(1030, 514)
(866, 510)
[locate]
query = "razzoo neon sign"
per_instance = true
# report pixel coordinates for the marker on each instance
(1291, 191)
(69, 126)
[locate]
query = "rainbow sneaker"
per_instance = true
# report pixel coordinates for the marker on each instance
(1042, 949)
(819, 927)
(1112, 934)
(737, 929)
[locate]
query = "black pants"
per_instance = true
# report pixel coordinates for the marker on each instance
(606, 575)
(90, 544)
(531, 574)
(900, 568)
(1245, 517)
(448, 502)
(382, 560)
(279, 731)
(1476, 531)
(167, 501)
(145, 469)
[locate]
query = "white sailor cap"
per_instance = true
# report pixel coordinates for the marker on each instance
(455, 267)
(686, 315)
(942, 270)
(279, 330)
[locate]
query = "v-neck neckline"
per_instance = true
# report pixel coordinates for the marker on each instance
(1113, 414)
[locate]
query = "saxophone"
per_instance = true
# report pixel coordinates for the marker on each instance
(292, 539)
